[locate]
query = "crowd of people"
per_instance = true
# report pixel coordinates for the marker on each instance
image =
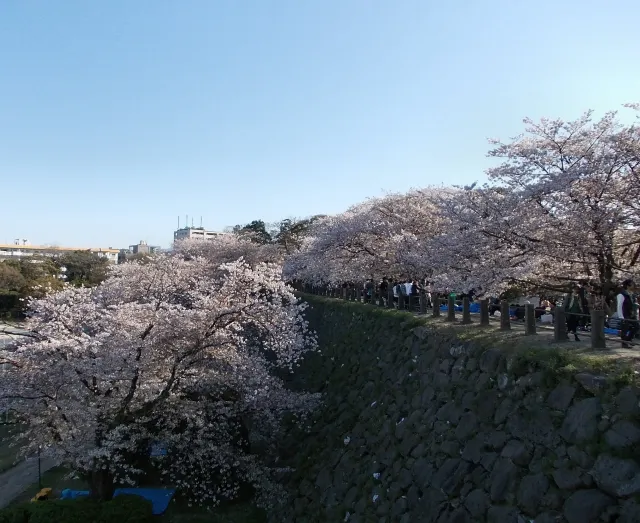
(620, 304)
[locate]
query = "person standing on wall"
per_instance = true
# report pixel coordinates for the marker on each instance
(402, 294)
(573, 309)
(396, 293)
(627, 313)
(584, 293)
(384, 289)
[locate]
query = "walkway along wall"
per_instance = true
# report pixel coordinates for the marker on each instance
(423, 423)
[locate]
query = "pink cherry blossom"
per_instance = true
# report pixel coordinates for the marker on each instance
(562, 204)
(170, 349)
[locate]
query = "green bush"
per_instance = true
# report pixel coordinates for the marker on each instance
(14, 515)
(126, 509)
(9, 302)
(123, 509)
(64, 511)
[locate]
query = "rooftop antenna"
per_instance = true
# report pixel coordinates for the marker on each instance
(186, 221)
(178, 222)
(192, 222)
(201, 222)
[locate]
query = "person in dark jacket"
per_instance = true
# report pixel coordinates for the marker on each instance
(584, 301)
(628, 314)
(573, 309)
(384, 289)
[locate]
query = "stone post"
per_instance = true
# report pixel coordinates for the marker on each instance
(559, 325)
(505, 317)
(423, 302)
(435, 299)
(598, 340)
(451, 308)
(484, 312)
(529, 319)
(466, 312)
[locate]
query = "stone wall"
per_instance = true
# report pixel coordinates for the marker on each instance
(419, 426)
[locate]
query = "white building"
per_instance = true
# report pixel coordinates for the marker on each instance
(196, 233)
(23, 250)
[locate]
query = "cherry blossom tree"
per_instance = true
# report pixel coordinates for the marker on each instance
(481, 246)
(572, 190)
(227, 248)
(562, 205)
(368, 240)
(166, 350)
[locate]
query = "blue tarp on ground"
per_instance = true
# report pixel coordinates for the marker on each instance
(157, 450)
(73, 494)
(457, 308)
(159, 497)
(473, 307)
(615, 332)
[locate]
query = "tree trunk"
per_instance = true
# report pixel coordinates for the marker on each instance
(101, 484)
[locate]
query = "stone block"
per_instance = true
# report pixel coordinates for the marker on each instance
(585, 506)
(581, 422)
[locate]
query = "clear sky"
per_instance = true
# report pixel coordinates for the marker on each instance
(116, 116)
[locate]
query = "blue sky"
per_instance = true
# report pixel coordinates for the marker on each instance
(116, 116)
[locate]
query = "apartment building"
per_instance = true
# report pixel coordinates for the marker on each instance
(22, 249)
(141, 248)
(196, 233)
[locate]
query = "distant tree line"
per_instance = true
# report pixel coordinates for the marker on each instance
(288, 233)
(34, 276)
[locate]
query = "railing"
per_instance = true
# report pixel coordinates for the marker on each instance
(422, 303)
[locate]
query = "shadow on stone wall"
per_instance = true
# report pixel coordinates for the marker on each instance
(422, 425)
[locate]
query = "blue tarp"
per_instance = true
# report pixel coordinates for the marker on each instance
(157, 450)
(473, 307)
(159, 497)
(73, 494)
(615, 332)
(457, 308)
